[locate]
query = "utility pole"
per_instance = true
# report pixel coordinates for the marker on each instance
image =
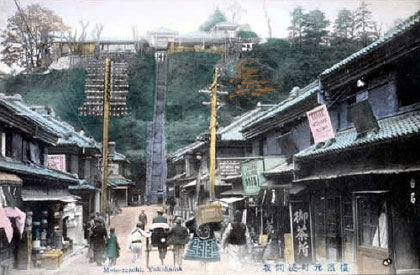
(213, 119)
(105, 133)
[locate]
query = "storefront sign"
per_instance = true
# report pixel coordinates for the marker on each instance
(57, 162)
(301, 232)
(229, 167)
(320, 124)
(252, 176)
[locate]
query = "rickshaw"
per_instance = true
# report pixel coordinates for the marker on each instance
(159, 239)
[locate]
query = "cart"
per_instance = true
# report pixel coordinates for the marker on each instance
(158, 239)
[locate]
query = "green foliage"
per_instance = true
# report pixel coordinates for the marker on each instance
(247, 34)
(344, 25)
(186, 116)
(64, 91)
(213, 19)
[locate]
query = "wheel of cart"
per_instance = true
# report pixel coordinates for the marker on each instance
(158, 239)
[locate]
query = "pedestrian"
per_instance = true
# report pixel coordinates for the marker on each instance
(135, 240)
(143, 218)
(160, 218)
(98, 239)
(237, 241)
(89, 228)
(203, 246)
(112, 248)
(163, 248)
(178, 237)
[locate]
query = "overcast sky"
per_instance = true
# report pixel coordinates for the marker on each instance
(186, 15)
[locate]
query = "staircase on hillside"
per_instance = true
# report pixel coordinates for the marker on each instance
(156, 155)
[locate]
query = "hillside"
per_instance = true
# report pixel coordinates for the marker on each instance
(278, 64)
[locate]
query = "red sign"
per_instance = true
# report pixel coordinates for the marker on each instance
(320, 123)
(57, 162)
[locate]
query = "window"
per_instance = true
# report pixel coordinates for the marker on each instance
(408, 81)
(9, 144)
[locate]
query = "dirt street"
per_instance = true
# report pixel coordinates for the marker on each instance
(123, 224)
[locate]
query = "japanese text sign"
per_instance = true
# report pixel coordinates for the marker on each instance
(57, 162)
(252, 176)
(301, 232)
(320, 124)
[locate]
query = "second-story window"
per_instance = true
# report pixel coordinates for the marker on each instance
(9, 144)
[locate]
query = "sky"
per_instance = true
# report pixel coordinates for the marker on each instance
(118, 16)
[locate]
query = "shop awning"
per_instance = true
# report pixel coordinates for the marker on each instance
(231, 200)
(11, 179)
(292, 188)
(281, 169)
(190, 184)
(32, 194)
(340, 174)
(233, 192)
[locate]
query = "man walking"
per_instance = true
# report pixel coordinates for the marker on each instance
(178, 237)
(163, 248)
(160, 218)
(135, 240)
(143, 219)
(237, 240)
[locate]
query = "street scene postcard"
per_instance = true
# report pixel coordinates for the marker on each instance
(215, 137)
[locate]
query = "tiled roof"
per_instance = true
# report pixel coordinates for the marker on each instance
(117, 182)
(410, 22)
(233, 130)
(118, 157)
(21, 109)
(304, 93)
(82, 186)
(68, 135)
(390, 128)
(42, 172)
(179, 154)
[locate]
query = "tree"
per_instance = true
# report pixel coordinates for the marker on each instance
(28, 37)
(296, 29)
(344, 26)
(268, 19)
(235, 11)
(364, 26)
(248, 82)
(314, 27)
(215, 18)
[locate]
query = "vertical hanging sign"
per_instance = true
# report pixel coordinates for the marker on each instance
(320, 123)
(301, 232)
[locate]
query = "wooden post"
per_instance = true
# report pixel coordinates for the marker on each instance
(105, 134)
(213, 119)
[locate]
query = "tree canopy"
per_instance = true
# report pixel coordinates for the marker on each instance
(28, 37)
(213, 19)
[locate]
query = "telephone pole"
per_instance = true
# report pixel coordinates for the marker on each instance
(105, 133)
(213, 130)
(213, 119)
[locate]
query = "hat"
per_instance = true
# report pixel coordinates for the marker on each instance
(178, 220)
(161, 210)
(139, 224)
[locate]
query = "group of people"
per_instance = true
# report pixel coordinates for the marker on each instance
(201, 240)
(101, 244)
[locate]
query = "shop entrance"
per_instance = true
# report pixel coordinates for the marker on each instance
(374, 233)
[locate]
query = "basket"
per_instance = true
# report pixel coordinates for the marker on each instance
(208, 213)
(52, 259)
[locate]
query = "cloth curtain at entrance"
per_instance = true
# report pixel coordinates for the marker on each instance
(5, 223)
(380, 238)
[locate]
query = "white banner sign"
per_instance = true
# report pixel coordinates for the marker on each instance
(320, 123)
(57, 162)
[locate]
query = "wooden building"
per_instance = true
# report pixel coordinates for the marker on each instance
(29, 185)
(363, 184)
